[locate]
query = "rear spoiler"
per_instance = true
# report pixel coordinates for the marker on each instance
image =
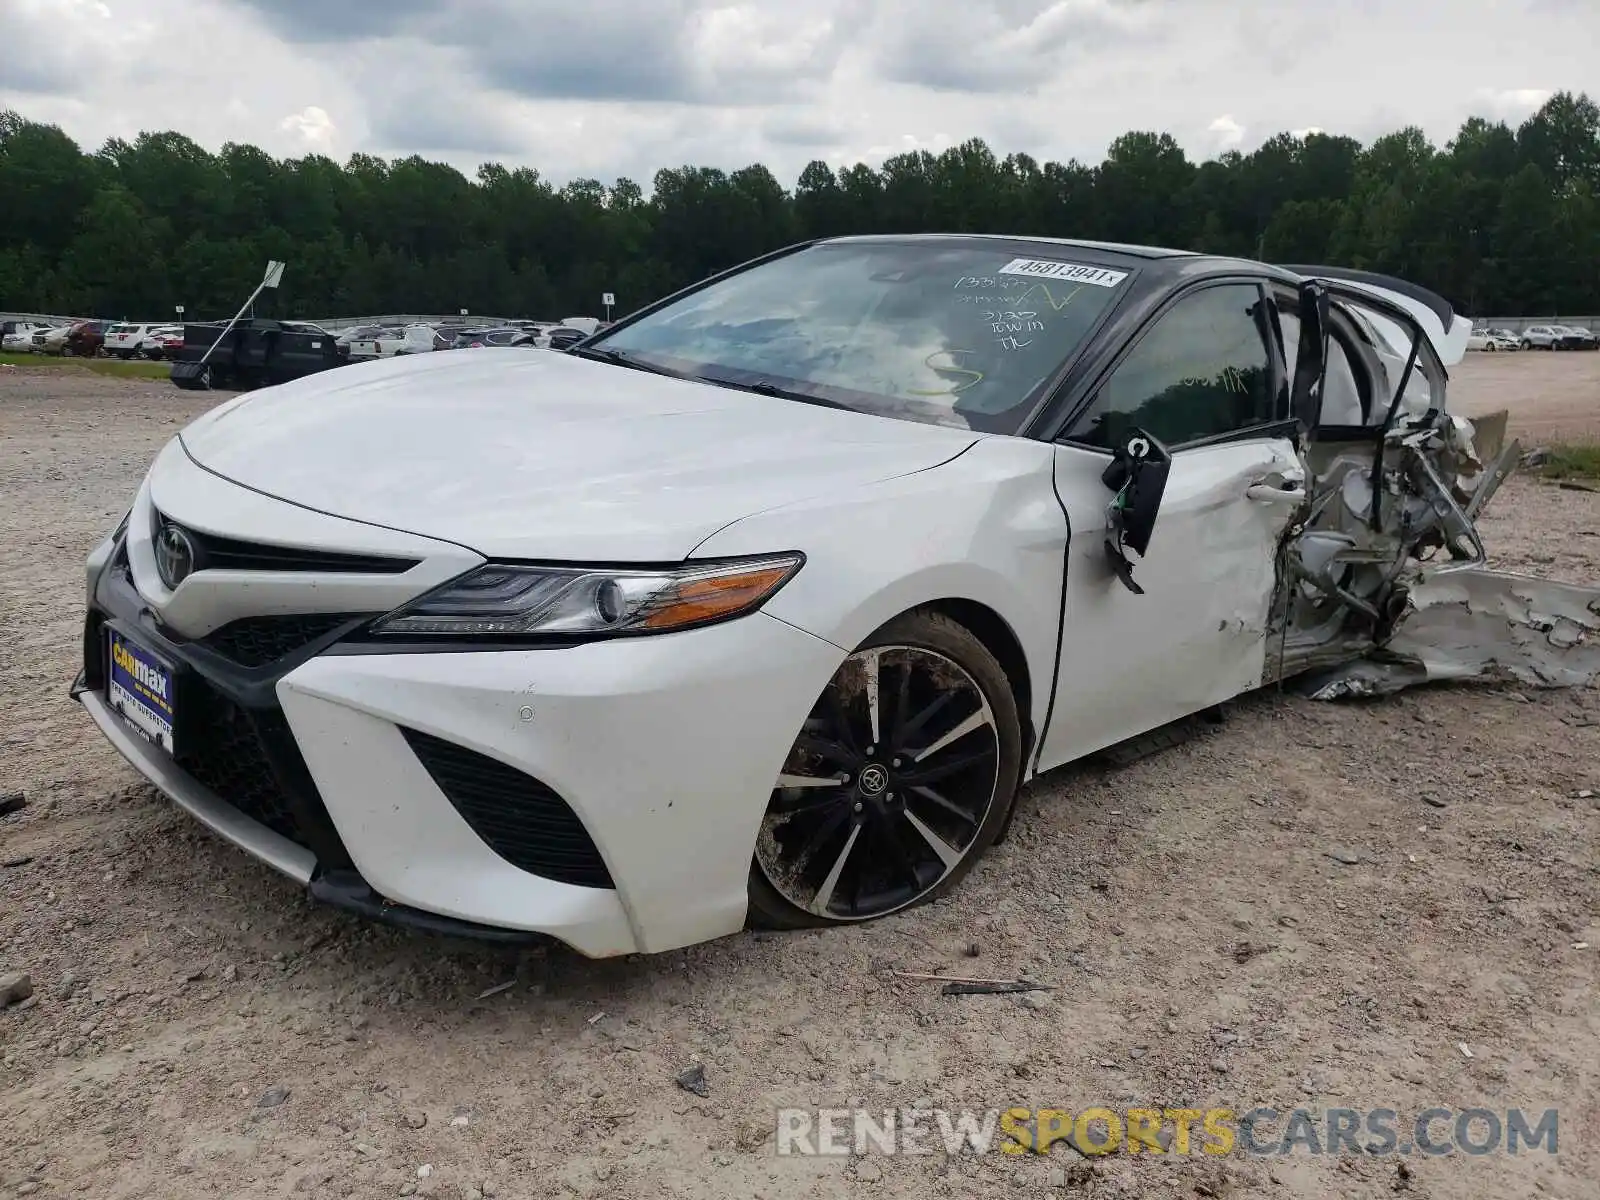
(1447, 330)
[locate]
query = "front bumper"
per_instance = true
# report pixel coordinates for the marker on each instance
(660, 752)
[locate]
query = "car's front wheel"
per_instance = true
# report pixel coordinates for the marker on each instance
(900, 778)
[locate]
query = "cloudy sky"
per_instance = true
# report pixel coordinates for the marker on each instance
(603, 88)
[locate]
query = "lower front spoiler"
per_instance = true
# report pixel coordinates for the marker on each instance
(345, 890)
(177, 785)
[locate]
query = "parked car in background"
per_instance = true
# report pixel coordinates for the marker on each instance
(16, 337)
(563, 337)
(1509, 340)
(123, 339)
(85, 338)
(497, 335)
(587, 324)
(395, 340)
(341, 341)
(52, 340)
(1574, 338)
(1490, 340)
(158, 341)
(540, 330)
(253, 353)
(506, 335)
(1540, 337)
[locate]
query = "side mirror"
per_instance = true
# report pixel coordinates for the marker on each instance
(1138, 475)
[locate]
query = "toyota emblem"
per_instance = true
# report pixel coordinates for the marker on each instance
(874, 779)
(174, 556)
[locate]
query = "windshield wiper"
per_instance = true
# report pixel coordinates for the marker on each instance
(764, 387)
(621, 358)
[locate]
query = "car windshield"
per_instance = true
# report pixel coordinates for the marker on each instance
(956, 332)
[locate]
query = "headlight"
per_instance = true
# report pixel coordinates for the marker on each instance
(520, 601)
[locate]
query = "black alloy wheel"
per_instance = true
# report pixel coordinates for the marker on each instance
(902, 775)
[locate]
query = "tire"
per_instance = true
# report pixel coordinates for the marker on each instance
(1526, 344)
(844, 847)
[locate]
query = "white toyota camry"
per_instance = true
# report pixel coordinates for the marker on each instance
(760, 605)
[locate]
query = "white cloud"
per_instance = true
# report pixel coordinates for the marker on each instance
(1513, 104)
(624, 87)
(313, 126)
(1226, 133)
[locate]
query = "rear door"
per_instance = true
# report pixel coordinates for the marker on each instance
(1205, 377)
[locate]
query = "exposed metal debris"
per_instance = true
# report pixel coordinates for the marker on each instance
(1375, 524)
(1482, 625)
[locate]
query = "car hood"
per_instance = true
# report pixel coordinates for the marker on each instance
(522, 454)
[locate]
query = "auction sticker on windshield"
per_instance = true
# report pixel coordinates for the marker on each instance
(139, 686)
(1043, 268)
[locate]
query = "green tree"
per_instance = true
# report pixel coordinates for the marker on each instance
(115, 267)
(1501, 220)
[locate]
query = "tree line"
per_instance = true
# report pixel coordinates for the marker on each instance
(1499, 220)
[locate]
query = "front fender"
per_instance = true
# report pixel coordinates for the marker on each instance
(985, 526)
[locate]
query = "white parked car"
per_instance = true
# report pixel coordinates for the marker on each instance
(124, 340)
(761, 607)
(411, 339)
(159, 341)
(51, 340)
(1491, 340)
(16, 337)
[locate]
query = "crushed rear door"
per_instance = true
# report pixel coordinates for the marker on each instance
(1395, 480)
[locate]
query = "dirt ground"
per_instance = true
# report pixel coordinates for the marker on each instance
(1206, 944)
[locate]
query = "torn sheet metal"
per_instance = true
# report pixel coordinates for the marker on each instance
(1483, 625)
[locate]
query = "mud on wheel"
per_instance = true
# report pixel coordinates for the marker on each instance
(901, 776)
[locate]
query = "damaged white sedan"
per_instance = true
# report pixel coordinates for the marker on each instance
(760, 605)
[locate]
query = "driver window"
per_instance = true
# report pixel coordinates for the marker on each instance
(1200, 372)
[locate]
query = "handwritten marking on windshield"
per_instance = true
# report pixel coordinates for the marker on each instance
(1049, 297)
(1010, 321)
(954, 389)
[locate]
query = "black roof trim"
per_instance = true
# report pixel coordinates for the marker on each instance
(1435, 303)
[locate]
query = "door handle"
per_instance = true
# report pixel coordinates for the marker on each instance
(1266, 493)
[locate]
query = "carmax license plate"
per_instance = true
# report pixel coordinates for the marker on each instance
(139, 686)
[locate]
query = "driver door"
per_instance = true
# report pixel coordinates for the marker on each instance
(1205, 379)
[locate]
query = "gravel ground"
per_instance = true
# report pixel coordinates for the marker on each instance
(1312, 905)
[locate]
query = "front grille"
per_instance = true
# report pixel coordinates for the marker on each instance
(215, 553)
(258, 641)
(222, 748)
(519, 818)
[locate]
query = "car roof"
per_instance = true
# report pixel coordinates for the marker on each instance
(1159, 261)
(1124, 248)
